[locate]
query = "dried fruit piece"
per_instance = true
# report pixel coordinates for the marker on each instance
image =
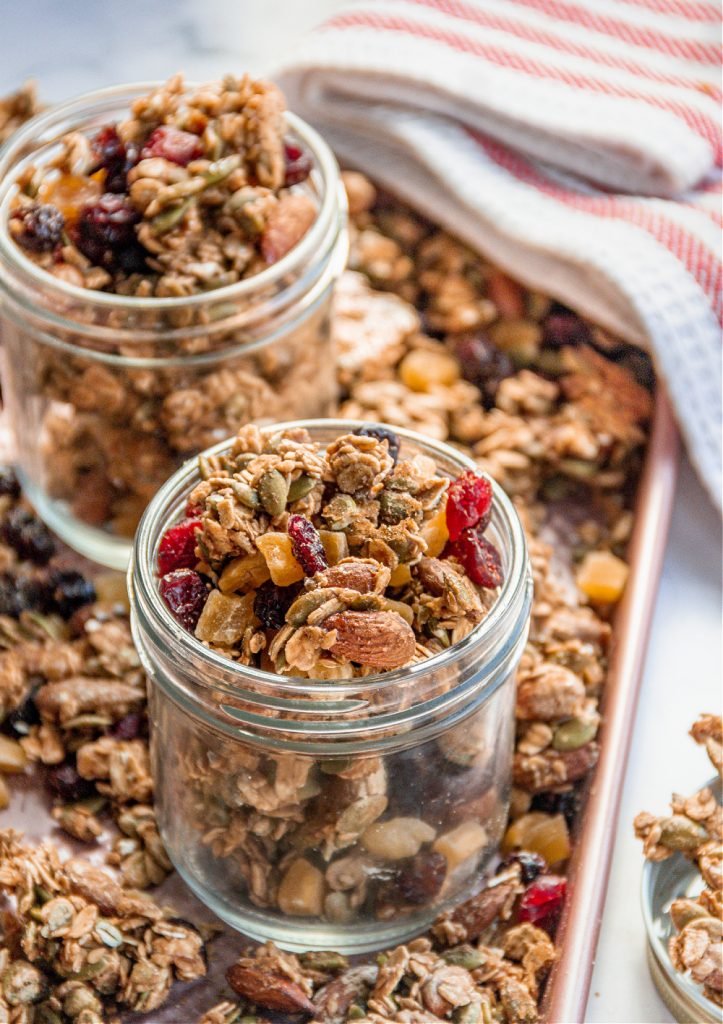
(562, 327)
(177, 549)
(28, 535)
(114, 157)
(105, 229)
(483, 364)
(247, 572)
(267, 989)
(65, 782)
(506, 294)
(271, 604)
(184, 594)
(435, 532)
(401, 575)
(397, 838)
(381, 640)
(12, 756)
(469, 503)
(539, 833)
(336, 545)
(301, 890)
(602, 577)
(277, 550)
(4, 794)
(461, 843)
(423, 369)
(480, 559)
(38, 227)
(306, 544)
(225, 618)
(531, 864)
(420, 880)
(9, 483)
(542, 903)
(172, 144)
(382, 434)
(298, 163)
(69, 591)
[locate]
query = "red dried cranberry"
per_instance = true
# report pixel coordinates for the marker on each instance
(115, 157)
(481, 560)
(542, 903)
(563, 327)
(129, 727)
(272, 603)
(382, 434)
(306, 544)
(421, 878)
(177, 549)
(531, 864)
(193, 511)
(469, 503)
(42, 227)
(185, 594)
(298, 163)
(105, 229)
(172, 144)
(30, 537)
(64, 781)
(483, 364)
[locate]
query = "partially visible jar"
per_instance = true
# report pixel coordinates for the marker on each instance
(108, 394)
(342, 813)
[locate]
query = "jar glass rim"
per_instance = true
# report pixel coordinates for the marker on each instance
(14, 152)
(142, 577)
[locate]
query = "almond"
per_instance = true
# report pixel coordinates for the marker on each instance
(362, 574)
(380, 640)
(268, 989)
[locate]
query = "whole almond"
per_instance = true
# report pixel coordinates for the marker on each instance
(380, 640)
(361, 574)
(268, 989)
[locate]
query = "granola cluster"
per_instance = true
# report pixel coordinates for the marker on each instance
(695, 829)
(16, 109)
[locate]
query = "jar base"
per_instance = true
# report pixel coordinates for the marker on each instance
(97, 545)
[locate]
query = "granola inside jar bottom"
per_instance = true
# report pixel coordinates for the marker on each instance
(343, 814)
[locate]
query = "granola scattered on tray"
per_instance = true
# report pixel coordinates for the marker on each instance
(16, 109)
(695, 829)
(193, 191)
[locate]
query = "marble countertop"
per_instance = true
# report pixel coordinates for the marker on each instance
(84, 44)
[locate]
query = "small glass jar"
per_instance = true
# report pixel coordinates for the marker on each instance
(332, 814)
(108, 394)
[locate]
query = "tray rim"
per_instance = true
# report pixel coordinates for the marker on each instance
(568, 987)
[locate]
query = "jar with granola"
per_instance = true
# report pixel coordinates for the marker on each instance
(331, 614)
(167, 258)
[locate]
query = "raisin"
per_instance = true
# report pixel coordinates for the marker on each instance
(541, 904)
(306, 544)
(105, 232)
(272, 603)
(10, 603)
(129, 727)
(382, 434)
(531, 864)
(23, 717)
(115, 157)
(185, 595)
(298, 163)
(483, 364)
(421, 878)
(28, 535)
(481, 560)
(563, 327)
(9, 483)
(469, 503)
(70, 590)
(65, 782)
(177, 549)
(172, 144)
(567, 804)
(42, 227)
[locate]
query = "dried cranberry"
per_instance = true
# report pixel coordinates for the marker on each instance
(421, 878)
(185, 594)
(306, 544)
(531, 864)
(129, 727)
(64, 781)
(382, 434)
(9, 483)
(106, 229)
(42, 227)
(115, 157)
(563, 327)
(483, 364)
(567, 804)
(298, 163)
(469, 503)
(272, 603)
(177, 549)
(24, 716)
(542, 902)
(172, 144)
(481, 560)
(28, 535)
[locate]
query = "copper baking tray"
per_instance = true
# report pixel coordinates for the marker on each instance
(568, 986)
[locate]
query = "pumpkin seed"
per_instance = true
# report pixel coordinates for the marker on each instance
(273, 492)
(300, 487)
(464, 956)
(245, 493)
(680, 833)
(167, 220)
(324, 960)
(574, 733)
(108, 934)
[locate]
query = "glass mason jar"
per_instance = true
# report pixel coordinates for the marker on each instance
(332, 814)
(108, 394)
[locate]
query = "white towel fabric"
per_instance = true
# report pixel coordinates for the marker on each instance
(575, 142)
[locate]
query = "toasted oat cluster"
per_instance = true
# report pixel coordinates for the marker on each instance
(16, 109)
(193, 191)
(330, 562)
(695, 829)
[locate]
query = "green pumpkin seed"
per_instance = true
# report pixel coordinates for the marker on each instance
(273, 492)
(307, 603)
(108, 934)
(355, 1012)
(324, 960)
(221, 169)
(469, 1014)
(464, 956)
(335, 765)
(575, 733)
(680, 833)
(245, 493)
(300, 487)
(167, 220)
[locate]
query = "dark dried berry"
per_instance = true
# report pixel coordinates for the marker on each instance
(64, 781)
(177, 549)
(563, 327)
(531, 864)
(185, 595)
(9, 483)
(542, 903)
(24, 717)
(42, 227)
(567, 804)
(10, 603)
(105, 229)
(70, 590)
(272, 603)
(421, 878)
(483, 364)
(172, 144)
(382, 434)
(469, 503)
(481, 560)
(129, 727)
(298, 163)
(115, 157)
(28, 535)
(306, 545)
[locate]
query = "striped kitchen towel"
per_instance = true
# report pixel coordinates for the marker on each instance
(575, 142)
